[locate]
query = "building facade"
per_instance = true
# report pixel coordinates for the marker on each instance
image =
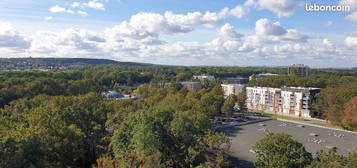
(298, 70)
(235, 89)
(289, 101)
(192, 86)
(235, 80)
(203, 78)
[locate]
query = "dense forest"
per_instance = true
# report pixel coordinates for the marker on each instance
(59, 119)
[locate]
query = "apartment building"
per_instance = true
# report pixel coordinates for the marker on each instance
(290, 101)
(261, 98)
(297, 101)
(299, 70)
(235, 89)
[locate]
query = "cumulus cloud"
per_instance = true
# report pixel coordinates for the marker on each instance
(12, 39)
(283, 8)
(140, 39)
(265, 27)
(228, 32)
(58, 9)
(151, 25)
(352, 17)
(47, 18)
(82, 13)
(94, 4)
(77, 38)
(351, 3)
(351, 40)
(197, 18)
(273, 32)
(239, 11)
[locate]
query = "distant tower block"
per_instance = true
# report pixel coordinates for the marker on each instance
(298, 70)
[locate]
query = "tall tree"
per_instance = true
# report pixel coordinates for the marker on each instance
(350, 115)
(241, 101)
(280, 151)
(228, 106)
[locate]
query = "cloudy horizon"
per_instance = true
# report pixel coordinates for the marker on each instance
(204, 32)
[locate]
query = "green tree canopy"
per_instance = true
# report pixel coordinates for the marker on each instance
(280, 151)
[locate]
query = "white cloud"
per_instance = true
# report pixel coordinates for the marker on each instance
(329, 23)
(294, 35)
(239, 11)
(197, 18)
(264, 27)
(267, 31)
(94, 4)
(283, 8)
(351, 40)
(151, 25)
(140, 39)
(228, 32)
(12, 39)
(48, 18)
(58, 9)
(82, 13)
(352, 16)
(76, 5)
(351, 3)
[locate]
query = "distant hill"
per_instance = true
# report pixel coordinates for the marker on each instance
(68, 61)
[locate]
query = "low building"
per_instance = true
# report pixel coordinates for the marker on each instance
(192, 86)
(235, 89)
(112, 95)
(290, 101)
(203, 78)
(164, 85)
(235, 80)
(300, 70)
(117, 96)
(261, 76)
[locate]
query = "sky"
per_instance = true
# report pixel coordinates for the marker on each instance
(183, 32)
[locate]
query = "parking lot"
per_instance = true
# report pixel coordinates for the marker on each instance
(314, 138)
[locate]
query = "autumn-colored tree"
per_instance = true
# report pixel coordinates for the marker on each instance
(330, 159)
(350, 115)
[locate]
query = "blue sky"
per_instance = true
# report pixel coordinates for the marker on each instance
(181, 32)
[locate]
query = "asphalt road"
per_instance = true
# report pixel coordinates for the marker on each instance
(314, 138)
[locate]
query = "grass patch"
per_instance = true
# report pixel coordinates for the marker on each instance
(326, 125)
(262, 114)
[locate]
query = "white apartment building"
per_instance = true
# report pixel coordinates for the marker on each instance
(261, 98)
(235, 89)
(291, 101)
(297, 101)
